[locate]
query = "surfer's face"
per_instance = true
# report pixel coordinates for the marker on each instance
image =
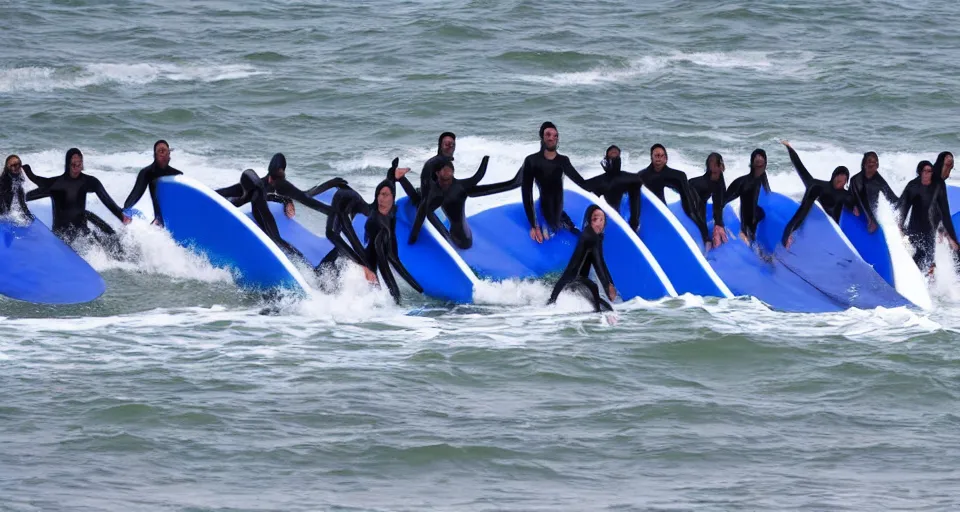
(550, 139)
(13, 165)
(871, 165)
(759, 164)
(598, 221)
(384, 200)
(162, 155)
(76, 166)
(926, 175)
(659, 158)
(448, 146)
(839, 181)
(445, 176)
(947, 167)
(716, 167)
(613, 153)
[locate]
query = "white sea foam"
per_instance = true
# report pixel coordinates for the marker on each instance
(45, 79)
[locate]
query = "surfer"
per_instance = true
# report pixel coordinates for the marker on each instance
(747, 188)
(941, 171)
(923, 199)
(614, 182)
(712, 185)
(68, 195)
(546, 169)
(11, 186)
(446, 145)
(380, 251)
(831, 194)
(588, 252)
(658, 175)
(280, 190)
(866, 187)
(147, 177)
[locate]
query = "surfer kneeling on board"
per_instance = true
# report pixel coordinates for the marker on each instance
(546, 169)
(147, 177)
(588, 252)
(68, 196)
(831, 195)
(712, 185)
(380, 251)
(924, 200)
(614, 182)
(659, 175)
(866, 187)
(747, 188)
(11, 187)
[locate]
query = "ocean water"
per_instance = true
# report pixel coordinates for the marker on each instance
(173, 392)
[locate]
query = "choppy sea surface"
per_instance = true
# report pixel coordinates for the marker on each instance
(173, 392)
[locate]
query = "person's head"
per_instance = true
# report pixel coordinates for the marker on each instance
(12, 164)
(73, 165)
(870, 163)
(840, 177)
(758, 162)
(161, 153)
(943, 165)
(611, 160)
(447, 144)
(277, 168)
(549, 136)
(595, 218)
(658, 156)
(925, 171)
(714, 165)
(445, 173)
(385, 196)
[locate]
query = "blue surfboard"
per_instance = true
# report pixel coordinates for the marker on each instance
(747, 274)
(313, 247)
(823, 256)
(679, 254)
(200, 219)
(38, 267)
(502, 248)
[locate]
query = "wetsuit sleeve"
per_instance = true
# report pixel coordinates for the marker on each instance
(887, 191)
(143, 180)
(903, 205)
(39, 181)
(496, 188)
(572, 173)
(687, 200)
(634, 197)
(719, 200)
(734, 190)
(325, 186)
(858, 191)
(231, 191)
(474, 180)
(943, 205)
(279, 198)
(808, 199)
(526, 192)
(348, 249)
(38, 193)
(410, 191)
(600, 265)
(22, 201)
(801, 169)
(96, 187)
(290, 192)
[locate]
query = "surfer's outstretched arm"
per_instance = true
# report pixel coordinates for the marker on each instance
(474, 180)
(496, 188)
(94, 185)
(798, 165)
(797, 220)
(325, 186)
(39, 181)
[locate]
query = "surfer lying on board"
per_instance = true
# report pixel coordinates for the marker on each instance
(832, 195)
(546, 169)
(147, 177)
(658, 175)
(866, 187)
(588, 252)
(68, 196)
(747, 188)
(379, 232)
(614, 182)
(712, 185)
(924, 200)
(11, 187)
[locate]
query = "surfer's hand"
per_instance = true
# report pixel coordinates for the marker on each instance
(789, 242)
(856, 211)
(400, 172)
(535, 234)
(126, 220)
(785, 143)
(719, 236)
(289, 210)
(871, 227)
(954, 246)
(611, 292)
(370, 275)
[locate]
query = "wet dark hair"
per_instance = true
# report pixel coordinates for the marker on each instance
(868, 154)
(753, 156)
(276, 163)
(612, 146)
(941, 160)
(840, 170)
(655, 146)
(157, 143)
(442, 136)
(7, 161)
(70, 153)
(922, 164)
(715, 157)
(589, 213)
(544, 126)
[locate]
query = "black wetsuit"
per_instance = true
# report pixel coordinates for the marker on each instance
(379, 234)
(705, 188)
(924, 202)
(452, 200)
(11, 187)
(613, 183)
(253, 190)
(548, 176)
(677, 180)
(866, 192)
(69, 199)
(147, 177)
(587, 253)
(747, 188)
(833, 200)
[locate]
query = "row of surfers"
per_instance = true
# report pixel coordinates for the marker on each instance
(922, 206)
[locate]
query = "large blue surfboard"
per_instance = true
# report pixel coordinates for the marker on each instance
(679, 254)
(38, 267)
(313, 247)
(823, 256)
(747, 274)
(502, 248)
(200, 219)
